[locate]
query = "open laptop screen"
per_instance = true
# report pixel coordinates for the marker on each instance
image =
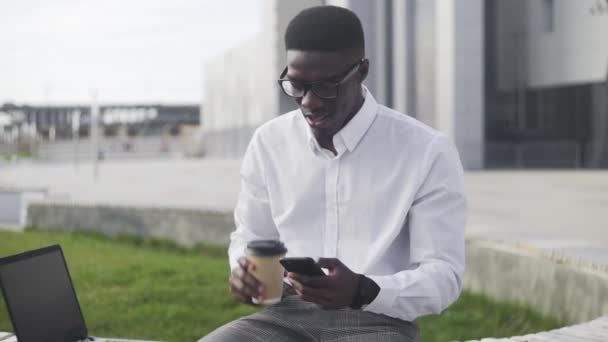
(40, 297)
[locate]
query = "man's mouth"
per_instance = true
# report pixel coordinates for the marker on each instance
(316, 120)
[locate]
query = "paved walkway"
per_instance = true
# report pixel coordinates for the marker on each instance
(594, 331)
(559, 211)
(174, 183)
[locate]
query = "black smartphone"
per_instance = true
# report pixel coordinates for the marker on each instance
(304, 266)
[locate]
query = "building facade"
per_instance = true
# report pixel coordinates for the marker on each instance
(514, 83)
(240, 91)
(545, 89)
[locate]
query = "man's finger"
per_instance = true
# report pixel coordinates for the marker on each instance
(310, 292)
(245, 283)
(243, 262)
(239, 294)
(237, 285)
(246, 276)
(321, 301)
(243, 294)
(249, 280)
(312, 299)
(309, 297)
(321, 296)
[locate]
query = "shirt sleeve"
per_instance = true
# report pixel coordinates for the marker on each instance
(436, 223)
(252, 214)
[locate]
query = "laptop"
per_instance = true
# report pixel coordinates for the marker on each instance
(41, 299)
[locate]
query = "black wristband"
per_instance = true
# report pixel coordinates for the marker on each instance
(357, 300)
(367, 291)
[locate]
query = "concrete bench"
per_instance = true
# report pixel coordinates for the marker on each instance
(7, 337)
(593, 331)
(14, 203)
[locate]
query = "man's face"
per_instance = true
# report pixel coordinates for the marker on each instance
(326, 116)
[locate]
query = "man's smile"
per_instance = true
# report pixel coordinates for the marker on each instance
(316, 121)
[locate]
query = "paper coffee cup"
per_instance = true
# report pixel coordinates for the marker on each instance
(265, 255)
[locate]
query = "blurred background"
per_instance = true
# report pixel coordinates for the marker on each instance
(516, 84)
(129, 119)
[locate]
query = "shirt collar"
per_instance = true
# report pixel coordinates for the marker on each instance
(355, 129)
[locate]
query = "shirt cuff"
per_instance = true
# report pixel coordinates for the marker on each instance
(383, 303)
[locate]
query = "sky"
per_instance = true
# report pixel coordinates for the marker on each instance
(127, 51)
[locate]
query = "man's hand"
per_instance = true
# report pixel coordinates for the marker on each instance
(243, 285)
(334, 291)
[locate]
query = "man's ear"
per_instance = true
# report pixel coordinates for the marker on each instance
(363, 70)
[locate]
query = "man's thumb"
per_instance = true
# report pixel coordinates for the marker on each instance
(329, 263)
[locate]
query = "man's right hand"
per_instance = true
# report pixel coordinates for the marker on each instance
(243, 285)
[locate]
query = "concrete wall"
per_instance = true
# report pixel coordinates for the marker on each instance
(185, 227)
(553, 285)
(14, 203)
(10, 207)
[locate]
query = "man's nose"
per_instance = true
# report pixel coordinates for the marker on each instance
(310, 101)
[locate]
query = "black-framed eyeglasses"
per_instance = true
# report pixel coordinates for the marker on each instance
(323, 89)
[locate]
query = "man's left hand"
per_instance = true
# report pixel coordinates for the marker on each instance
(334, 291)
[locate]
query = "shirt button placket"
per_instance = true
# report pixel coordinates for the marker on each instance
(331, 195)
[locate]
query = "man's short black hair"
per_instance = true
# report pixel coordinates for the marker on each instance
(325, 28)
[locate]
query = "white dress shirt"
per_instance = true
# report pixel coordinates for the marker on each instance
(390, 205)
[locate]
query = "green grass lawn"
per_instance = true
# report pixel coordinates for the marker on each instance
(155, 290)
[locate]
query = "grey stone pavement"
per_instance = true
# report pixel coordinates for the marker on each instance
(562, 212)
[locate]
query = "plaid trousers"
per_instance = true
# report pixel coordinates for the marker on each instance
(296, 320)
